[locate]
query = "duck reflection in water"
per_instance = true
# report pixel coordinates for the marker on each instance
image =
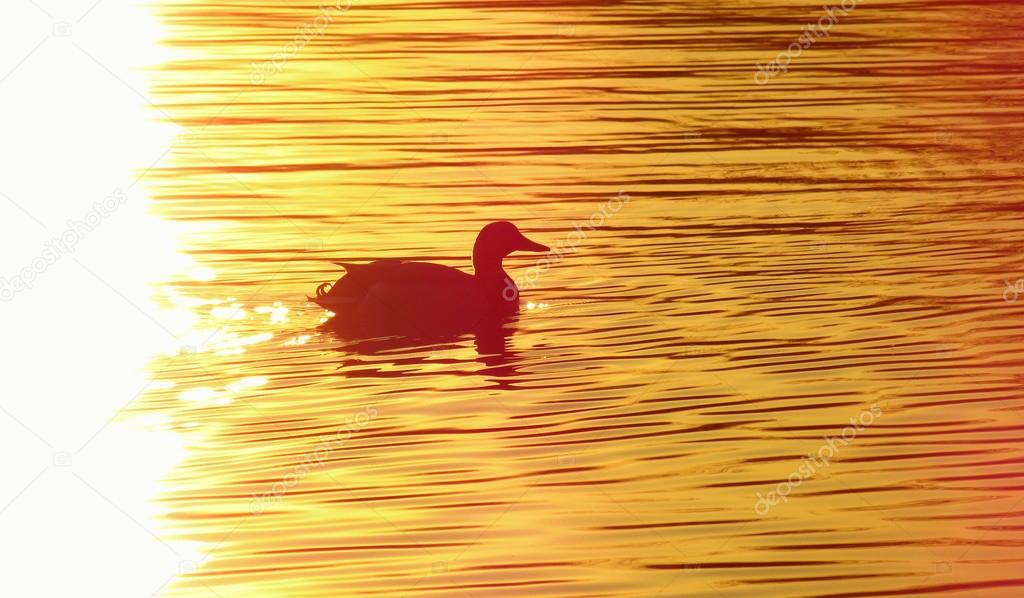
(388, 304)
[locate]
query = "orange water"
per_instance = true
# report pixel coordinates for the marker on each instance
(792, 255)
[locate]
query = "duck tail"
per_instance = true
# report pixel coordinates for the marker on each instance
(321, 290)
(324, 289)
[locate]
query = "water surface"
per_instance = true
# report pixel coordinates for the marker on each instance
(827, 247)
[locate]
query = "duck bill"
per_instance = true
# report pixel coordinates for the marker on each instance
(528, 245)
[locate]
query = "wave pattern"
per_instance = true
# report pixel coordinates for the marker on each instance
(821, 255)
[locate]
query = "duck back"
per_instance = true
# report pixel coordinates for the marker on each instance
(411, 297)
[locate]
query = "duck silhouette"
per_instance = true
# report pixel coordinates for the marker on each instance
(420, 299)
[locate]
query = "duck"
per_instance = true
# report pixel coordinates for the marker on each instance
(414, 298)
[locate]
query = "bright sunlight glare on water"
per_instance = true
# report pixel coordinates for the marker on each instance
(79, 134)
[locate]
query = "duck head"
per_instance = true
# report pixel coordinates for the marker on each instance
(495, 241)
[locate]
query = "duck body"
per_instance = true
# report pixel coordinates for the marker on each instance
(389, 297)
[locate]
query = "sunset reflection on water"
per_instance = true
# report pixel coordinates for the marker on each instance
(792, 255)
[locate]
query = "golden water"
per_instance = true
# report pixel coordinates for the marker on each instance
(791, 256)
